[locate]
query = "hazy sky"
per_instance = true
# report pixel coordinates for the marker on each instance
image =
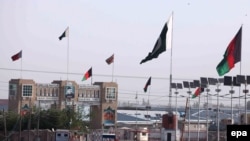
(202, 29)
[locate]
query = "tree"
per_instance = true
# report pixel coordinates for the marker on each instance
(11, 120)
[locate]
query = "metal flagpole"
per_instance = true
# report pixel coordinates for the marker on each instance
(189, 109)
(189, 112)
(92, 75)
(113, 68)
(231, 92)
(170, 77)
(245, 90)
(136, 111)
(198, 130)
(207, 109)
(148, 101)
(218, 115)
(240, 74)
(68, 56)
(20, 122)
(38, 121)
(21, 65)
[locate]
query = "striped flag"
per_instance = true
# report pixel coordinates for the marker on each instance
(110, 59)
(17, 56)
(87, 75)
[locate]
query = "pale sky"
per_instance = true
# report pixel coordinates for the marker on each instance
(202, 29)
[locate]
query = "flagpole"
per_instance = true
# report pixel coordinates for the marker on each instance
(68, 56)
(136, 111)
(92, 75)
(170, 77)
(113, 69)
(189, 111)
(21, 68)
(218, 115)
(148, 101)
(245, 82)
(198, 132)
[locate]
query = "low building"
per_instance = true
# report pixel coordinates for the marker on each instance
(101, 97)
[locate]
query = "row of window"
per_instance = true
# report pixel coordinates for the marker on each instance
(47, 92)
(95, 95)
(110, 92)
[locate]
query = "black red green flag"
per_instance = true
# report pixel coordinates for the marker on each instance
(17, 56)
(110, 59)
(232, 55)
(197, 92)
(147, 84)
(87, 75)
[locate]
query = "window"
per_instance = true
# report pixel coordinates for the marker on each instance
(111, 93)
(87, 94)
(147, 116)
(158, 115)
(27, 90)
(44, 92)
(96, 93)
(53, 92)
(57, 92)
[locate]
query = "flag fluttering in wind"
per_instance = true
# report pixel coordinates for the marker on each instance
(197, 92)
(147, 84)
(232, 55)
(65, 33)
(160, 45)
(87, 75)
(110, 59)
(17, 56)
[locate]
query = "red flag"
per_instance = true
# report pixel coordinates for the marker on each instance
(17, 56)
(110, 59)
(87, 75)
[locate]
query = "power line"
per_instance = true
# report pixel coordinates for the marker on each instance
(102, 75)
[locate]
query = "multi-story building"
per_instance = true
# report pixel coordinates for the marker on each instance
(101, 97)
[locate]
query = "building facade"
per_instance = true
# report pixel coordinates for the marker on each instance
(101, 97)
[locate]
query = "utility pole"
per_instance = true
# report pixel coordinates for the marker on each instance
(29, 119)
(20, 121)
(4, 121)
(38, 121)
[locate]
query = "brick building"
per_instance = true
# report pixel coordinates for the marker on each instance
(101, 97)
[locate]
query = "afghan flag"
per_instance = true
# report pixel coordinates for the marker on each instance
(147, 84)
(65, 33)
(231, 56)
(87, 75)
(160, 45)
(110, 59)
(197, 92)
(17, 56)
